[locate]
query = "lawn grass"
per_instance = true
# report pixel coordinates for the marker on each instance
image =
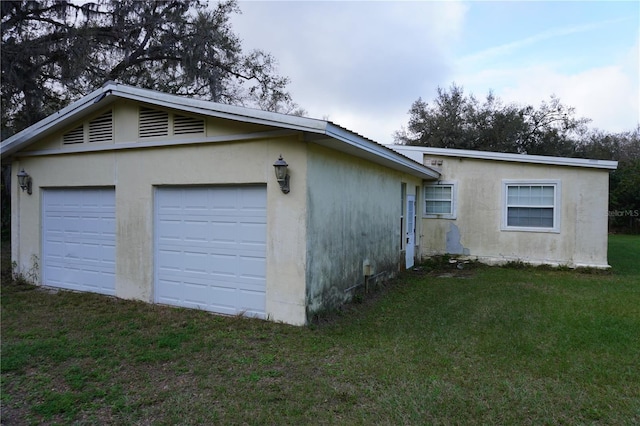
(478, 346)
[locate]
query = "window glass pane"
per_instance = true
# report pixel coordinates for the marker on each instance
(512, 195)
(530, 195)
(429, 192)
(548, 196)
(438, 199)
(530, 217)
(524, 193)
(438, 207)
(438, 192)
(535, 196)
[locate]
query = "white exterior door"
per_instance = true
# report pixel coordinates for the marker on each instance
(210, 248)
(79, 239)
(410, 236)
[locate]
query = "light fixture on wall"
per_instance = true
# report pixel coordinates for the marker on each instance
(281, 174)
(24, 180)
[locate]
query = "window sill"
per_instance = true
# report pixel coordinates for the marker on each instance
(439, 216)
(539, 230)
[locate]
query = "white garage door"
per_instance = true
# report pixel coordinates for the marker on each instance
(79, 239)
(210, 248)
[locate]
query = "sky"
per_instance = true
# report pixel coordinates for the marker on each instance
(361, 64)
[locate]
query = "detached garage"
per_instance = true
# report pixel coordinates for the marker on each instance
(165, 199)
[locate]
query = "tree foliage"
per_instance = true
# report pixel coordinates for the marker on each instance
(54, 51)
(624, 182)
(455, 120)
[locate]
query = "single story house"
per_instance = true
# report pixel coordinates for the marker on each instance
(497, 207)
(144, 195)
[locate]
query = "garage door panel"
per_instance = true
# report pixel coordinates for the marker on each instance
(253, 233)
(223, 265)
(251, 267)
(195, 263)
(108, 254)
(251, 197)
(90, 252)
(185, 289)
(213, 237)
(223, 232)
(251, 299)
(74, 277)
(78, 239)
(172, 288)
(75, 264)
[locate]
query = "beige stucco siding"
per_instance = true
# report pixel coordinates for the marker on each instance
(136, 173)
(354, 210)
(26, 210)
(581, 239)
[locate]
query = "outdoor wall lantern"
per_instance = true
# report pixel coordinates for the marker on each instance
(281, 174)
(24, 180)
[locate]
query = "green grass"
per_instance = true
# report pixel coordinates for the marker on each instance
(624, 254)
(478, 346)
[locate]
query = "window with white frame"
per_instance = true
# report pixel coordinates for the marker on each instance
(531, 206)
(440, 200)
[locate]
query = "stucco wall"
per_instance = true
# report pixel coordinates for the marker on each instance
(354, 210)
(582, 237)
(136, 172)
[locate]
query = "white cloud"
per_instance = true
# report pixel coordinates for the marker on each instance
(608, 95)
(360, 63)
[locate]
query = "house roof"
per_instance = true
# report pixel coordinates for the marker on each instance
(318, 131)
(417, 152)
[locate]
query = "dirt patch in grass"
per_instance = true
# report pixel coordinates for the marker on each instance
(446, 267)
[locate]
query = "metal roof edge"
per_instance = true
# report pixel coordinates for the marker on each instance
(360, 142)
(213, 109)
(521, 158)
(15, 142)
(216, 109)
(198, 106)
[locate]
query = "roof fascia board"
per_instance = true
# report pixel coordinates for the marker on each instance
(381, 151)
(520, 158)
(15, 142)
(208, 108)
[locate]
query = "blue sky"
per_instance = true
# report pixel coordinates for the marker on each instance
(361, 64)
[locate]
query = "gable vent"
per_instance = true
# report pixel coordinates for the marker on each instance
(74, 136)
(101, 128)
(187, 125)
(153, 123)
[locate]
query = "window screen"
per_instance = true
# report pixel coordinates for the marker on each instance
(531, 206)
